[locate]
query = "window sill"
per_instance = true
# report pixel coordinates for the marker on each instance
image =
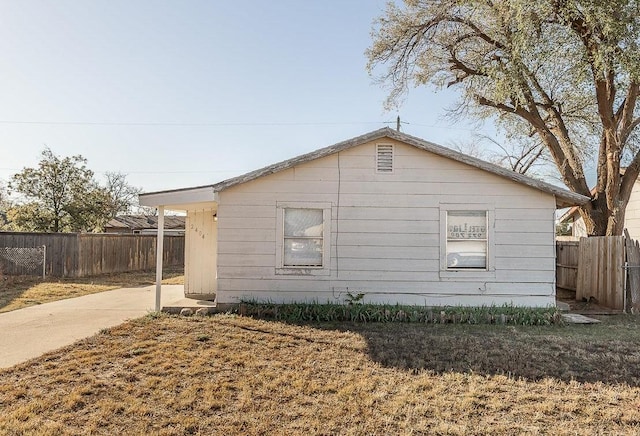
(462, 275)
(302, 271)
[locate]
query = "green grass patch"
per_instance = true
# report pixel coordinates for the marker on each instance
(366, 313)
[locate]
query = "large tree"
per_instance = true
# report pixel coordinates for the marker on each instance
(53, 190)
(61, 195)
(564, 71)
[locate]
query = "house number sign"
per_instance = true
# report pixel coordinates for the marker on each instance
(197, 231)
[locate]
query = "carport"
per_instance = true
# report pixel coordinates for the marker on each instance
(200, 204)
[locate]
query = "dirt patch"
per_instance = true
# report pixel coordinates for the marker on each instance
(587, 308)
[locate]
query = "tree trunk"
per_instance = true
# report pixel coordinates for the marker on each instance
(599, 220)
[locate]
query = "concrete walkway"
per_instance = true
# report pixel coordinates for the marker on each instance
(35, 330)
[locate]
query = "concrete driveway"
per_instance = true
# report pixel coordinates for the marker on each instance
(35, 330)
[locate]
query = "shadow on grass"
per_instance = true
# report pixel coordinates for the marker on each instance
(607, 353)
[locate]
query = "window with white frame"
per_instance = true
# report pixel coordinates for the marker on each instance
(467, 239)
(303, 237)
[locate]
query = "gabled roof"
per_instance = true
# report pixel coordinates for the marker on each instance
(141, 222)
(563, 197)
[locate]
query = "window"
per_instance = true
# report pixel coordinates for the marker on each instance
(384, 158)
(466, 239)
(303, 237)
(303, 231)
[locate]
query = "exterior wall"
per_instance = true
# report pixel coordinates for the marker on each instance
(632, 215)
(578, 229)
(200, 254)
(386, 233)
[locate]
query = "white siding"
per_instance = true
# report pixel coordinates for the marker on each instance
(632, 215)
(200, 253)
(385, 233)
(579, 228)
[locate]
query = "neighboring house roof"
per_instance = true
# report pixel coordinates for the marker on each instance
(564, 198)
(141, 222)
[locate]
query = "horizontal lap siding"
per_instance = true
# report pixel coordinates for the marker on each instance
(386, 233)
(632, 216)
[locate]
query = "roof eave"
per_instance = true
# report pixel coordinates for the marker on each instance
(180, 199)
(572, 200)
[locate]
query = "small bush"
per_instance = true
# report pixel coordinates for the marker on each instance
(315, 312)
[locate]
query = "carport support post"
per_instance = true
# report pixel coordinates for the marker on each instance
(159, 256)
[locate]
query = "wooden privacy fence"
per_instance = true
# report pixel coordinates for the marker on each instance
(87, 254)
(604, 269)
(601, 272)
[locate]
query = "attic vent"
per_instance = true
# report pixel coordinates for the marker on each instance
(384, 158)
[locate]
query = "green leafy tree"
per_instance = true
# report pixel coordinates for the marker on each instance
(91, 212)
(30, 217)
(53, 190)
(5, 205)
(61, 195)
(565, 72)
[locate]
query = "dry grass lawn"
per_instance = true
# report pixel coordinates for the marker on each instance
(20, 292)
(233, 375)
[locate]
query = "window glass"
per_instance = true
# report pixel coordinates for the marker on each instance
(302, 252)
(303, 242)
(303, 222)
(466, 239)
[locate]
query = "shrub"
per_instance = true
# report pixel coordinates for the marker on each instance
(316, 312)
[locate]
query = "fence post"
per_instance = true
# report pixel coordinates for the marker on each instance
(44, 261)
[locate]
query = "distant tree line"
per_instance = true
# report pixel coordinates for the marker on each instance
(62, 195)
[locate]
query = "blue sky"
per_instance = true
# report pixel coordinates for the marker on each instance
(186, 93)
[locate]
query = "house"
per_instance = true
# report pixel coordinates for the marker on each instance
(386, 214)
(146, 225)
(631, 219)
(574, 222)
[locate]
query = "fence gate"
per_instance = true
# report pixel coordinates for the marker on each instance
(566, 264)
(601, 273)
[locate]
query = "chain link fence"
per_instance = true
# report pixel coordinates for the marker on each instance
(23, 261)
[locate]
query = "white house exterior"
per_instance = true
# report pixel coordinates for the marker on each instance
(385, 214)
